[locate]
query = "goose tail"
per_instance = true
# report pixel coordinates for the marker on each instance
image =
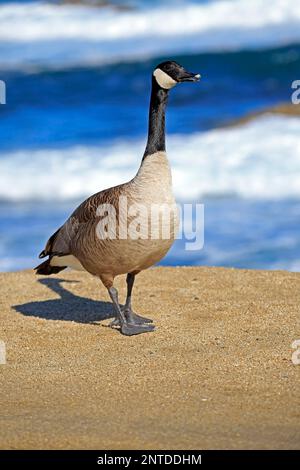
(46, 268)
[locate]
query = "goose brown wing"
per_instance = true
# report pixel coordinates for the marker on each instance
(59, 243)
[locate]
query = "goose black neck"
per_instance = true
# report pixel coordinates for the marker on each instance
(156, 132)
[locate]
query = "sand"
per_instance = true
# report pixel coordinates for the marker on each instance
(217, 373)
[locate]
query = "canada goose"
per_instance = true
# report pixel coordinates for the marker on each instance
(77, 243)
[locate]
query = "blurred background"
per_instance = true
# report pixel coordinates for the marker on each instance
(78, 82)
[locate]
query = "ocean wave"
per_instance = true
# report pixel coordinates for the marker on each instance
(258, 160)
(46, 35)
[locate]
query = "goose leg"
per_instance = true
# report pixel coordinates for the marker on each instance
(127, 309)
(130, 316)
(127, 328)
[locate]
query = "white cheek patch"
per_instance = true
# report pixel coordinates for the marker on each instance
(163, 79)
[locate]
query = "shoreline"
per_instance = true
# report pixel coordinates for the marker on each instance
(217, 373)
(282, 109)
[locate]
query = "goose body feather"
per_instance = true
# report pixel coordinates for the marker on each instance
(77, 245)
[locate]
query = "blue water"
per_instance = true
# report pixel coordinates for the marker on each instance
(98, 105)
(95, 105)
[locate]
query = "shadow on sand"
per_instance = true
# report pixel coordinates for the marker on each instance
(69, 307)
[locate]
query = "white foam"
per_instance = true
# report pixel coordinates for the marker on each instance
(44, 34)
(258, 160)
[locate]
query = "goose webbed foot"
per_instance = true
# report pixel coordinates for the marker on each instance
(138, 319)
(130, 329)
(131, 317)
(124, 318)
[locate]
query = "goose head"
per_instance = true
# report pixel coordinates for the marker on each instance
(168, 74)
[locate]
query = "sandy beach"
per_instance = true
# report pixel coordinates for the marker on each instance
(217, 373)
